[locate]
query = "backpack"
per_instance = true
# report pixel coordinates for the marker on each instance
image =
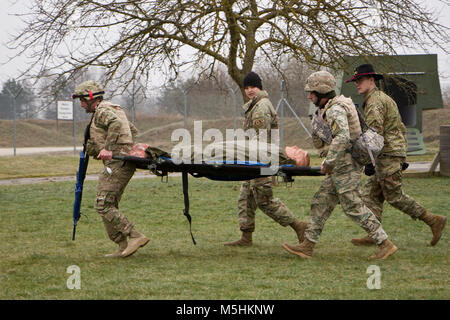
(368, 145)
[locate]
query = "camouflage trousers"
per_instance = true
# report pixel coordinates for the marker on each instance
(258, 193)
(343, 188)
(386, 185)
(111, 186)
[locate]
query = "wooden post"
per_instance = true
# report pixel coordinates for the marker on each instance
(434, 164)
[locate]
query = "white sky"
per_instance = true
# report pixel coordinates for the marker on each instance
(10, 24)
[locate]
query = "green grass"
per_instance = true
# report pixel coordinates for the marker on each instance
(37, 248)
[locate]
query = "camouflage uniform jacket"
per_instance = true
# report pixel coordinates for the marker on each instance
(260, 114)
(381, 114)
(110, 130)
(343, 120)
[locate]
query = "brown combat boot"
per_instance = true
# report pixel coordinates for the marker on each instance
(304, 249)
(299, 227)
(118, 253)
(365, 241)
(436, 223)
(244, 241)
(137, 240)
(385, 249)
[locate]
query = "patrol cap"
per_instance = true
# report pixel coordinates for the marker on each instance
(321, 82)
(88, 89)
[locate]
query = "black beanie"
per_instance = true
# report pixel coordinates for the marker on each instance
(253, 80)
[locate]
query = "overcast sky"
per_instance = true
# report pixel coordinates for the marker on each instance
(10, 24)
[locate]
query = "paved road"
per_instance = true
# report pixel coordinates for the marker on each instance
(34, 150)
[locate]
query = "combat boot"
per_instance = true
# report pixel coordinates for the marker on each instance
(244, 241)
(118, 253)
(436, 223)
(137, 240)
(365, 241)
(304, 249)
(385, 249)
(299, 227)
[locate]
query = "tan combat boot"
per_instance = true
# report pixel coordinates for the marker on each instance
(385, 249)
(304, 249)
(118, 253)
(244, 241)
(365, 241)
(299, 227)
(137, 240)
(436, 223)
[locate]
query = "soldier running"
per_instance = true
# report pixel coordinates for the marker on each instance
(343, 173)
(110, 133)
(258, 193)
(385, 181)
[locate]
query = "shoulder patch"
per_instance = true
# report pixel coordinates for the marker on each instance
(259, 123)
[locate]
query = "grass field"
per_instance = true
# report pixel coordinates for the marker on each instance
(36, 247)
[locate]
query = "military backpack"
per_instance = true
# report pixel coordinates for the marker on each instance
(368, 145)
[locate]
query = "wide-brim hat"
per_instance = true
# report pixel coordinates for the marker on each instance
(365, 70)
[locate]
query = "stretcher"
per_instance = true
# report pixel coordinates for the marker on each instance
(161, 164)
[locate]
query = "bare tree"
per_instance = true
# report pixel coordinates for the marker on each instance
(172, 36)
(206, 96)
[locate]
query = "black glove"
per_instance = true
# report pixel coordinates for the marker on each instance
(405, 166)
(369, 170)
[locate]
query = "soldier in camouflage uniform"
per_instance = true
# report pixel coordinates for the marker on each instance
(110, 133)
(343, 173)
(258, 193)
(385, 181)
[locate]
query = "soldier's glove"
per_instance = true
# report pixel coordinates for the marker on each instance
(405, 166)
(369, 170)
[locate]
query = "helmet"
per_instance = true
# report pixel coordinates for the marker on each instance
(321, 82)
(88, 89)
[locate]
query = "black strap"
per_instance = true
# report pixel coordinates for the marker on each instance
(252, 104)
(362, 120)
(186, 202)
(76, 96)
(87, 134)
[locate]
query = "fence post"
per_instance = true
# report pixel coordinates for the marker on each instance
(74, 130)
(233, 95)
(281, 103)
(13, 99)
(282, 114)
(185, 92)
